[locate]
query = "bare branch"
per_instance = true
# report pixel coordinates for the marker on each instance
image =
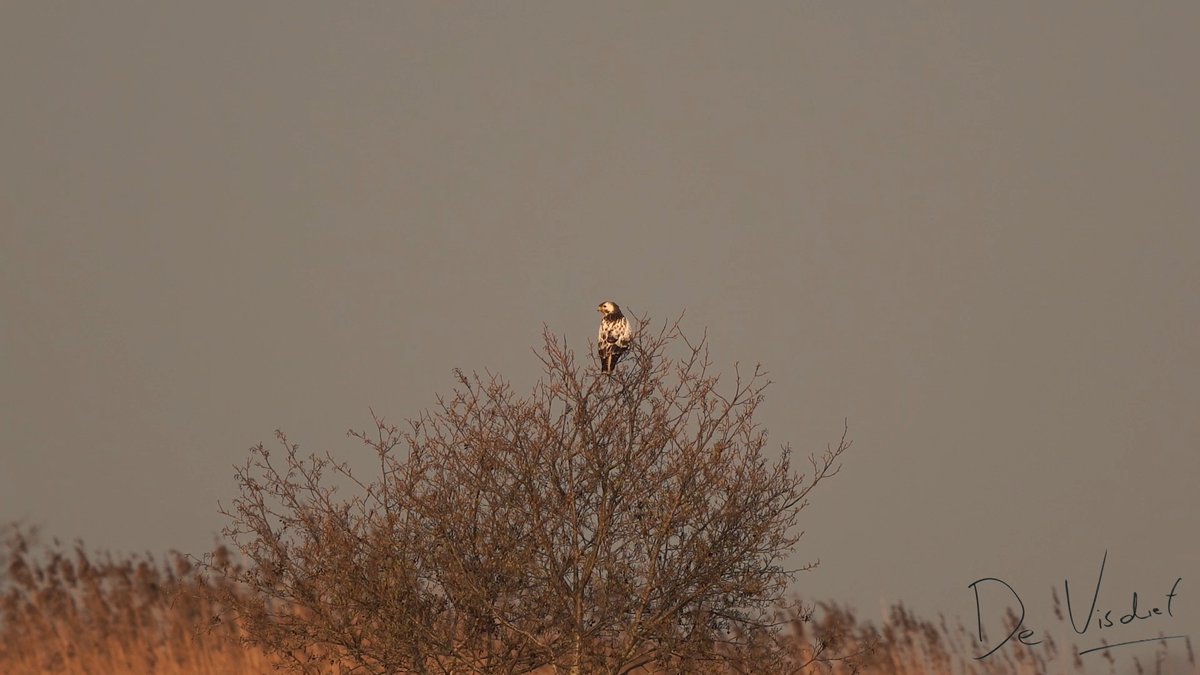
(601, 523)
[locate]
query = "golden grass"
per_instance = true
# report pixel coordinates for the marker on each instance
(83, 612)
(905, 644)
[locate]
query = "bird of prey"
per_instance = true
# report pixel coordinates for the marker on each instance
(615, 335)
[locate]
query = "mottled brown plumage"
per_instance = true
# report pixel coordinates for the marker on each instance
(615, 335)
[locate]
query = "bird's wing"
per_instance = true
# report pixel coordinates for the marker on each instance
(622, 332)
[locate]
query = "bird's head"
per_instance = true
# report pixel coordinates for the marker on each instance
(608, 307)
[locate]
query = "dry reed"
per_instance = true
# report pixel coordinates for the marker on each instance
(86, 612)
(76, 611)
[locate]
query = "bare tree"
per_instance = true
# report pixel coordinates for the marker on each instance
(599, 524)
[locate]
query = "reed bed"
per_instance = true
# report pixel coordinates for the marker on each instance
(70, 610)
(906, 644)
(78, 611)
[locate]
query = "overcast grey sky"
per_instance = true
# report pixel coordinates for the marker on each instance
(969, 228)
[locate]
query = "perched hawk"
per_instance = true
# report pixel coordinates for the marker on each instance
(615, 335)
